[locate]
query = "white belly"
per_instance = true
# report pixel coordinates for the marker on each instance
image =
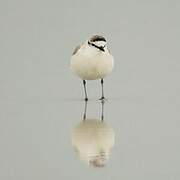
(91, 67)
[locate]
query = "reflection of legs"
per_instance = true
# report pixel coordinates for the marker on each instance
(85, 108)
(102, 86)
(102, 111)
(84, 83)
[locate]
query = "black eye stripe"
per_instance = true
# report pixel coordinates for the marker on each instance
(100, 48)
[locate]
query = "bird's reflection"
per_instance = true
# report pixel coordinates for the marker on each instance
(93, 139)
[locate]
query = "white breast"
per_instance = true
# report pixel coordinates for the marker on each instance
(90, 63)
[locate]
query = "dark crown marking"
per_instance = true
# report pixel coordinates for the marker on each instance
(97, 38)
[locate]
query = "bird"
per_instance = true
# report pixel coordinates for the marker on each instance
(91, 60)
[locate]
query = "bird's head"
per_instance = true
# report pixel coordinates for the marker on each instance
(98, 42)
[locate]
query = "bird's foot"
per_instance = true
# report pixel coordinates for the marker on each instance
(102, 99)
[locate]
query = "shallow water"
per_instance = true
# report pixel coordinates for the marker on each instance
(54, 140)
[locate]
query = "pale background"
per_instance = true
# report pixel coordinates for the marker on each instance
(41, 101)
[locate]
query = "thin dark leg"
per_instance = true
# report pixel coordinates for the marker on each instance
(84, 83)
(102, 85)
(85, 109)
(102, 111)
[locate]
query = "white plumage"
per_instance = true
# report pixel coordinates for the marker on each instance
(89, 63)
(92, 61)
